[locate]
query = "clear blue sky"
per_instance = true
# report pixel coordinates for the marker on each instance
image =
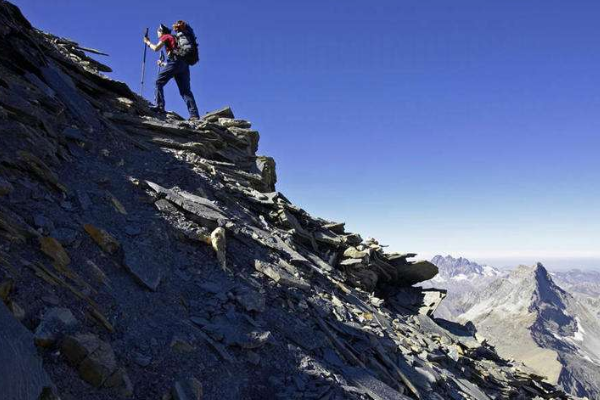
(463, 127)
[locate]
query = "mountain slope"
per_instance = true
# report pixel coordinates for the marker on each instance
(461, 277)
(526, 316)
(149, 257)
(583, 285)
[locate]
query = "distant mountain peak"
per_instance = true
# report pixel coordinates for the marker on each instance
(461, 268)
(538, 279)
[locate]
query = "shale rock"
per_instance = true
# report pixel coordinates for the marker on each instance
(22, 376)
(105, 240)
(54, 323)
(187, 389)
(95, 361)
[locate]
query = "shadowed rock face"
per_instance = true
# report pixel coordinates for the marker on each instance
(21, 373)
(187, 273)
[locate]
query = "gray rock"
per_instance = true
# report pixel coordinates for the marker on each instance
(143, 266)
(208, 214)
(280, 275)
(353, 262)
(371, 385)
(74, 134)
(142, 360)
(410, 274)
(52, 300)
(251, 300)
(417, 300)
(225, 112)
(94, 359)
(187, 389)
(253, 358)
(43, 222)
(267, 170)
(55, 323)
(238, 123)
(66, 236)
(352, 239)
(353, 252)
(83, 199)
(182, 344)
(133, 230)
(328, 238)
(66, 90)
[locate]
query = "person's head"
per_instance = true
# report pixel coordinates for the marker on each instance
(162, 30)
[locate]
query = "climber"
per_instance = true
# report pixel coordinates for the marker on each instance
(177, 66)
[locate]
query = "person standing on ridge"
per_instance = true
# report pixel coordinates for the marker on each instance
(177, 66)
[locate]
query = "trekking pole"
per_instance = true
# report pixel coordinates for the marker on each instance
(144, 64)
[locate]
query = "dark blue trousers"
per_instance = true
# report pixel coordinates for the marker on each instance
(179, 70)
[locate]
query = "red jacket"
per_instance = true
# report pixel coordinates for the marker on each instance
(170, 42)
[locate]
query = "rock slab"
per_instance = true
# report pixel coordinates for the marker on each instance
(22, 376)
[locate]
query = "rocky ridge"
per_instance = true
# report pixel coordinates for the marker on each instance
(151, 257)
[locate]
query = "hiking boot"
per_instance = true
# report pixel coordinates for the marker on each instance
(158, 109)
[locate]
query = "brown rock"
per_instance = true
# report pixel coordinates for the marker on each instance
(54, 322)
(94, 359)
(6, 288)
(121, 381)
(53, 249)
(77, 348)
(353, 252)
(99, 365)
(14, 228)
(106, 241)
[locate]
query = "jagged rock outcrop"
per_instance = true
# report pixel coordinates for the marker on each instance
(109, 211)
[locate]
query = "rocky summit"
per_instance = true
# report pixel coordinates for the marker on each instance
(147, 257)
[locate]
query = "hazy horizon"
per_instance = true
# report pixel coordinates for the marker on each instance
(551, 263)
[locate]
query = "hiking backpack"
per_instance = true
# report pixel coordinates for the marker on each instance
(187, 45)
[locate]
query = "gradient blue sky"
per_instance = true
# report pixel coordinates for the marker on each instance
(463, 127)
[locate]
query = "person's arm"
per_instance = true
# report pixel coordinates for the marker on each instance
(154, 47)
